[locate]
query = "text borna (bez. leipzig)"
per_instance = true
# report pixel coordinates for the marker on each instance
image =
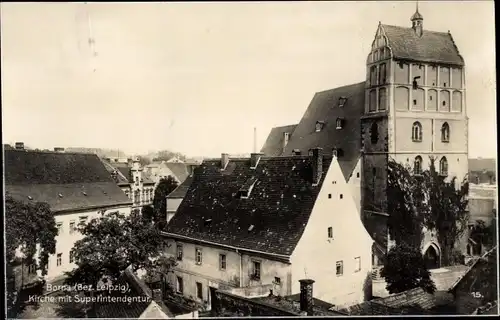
(88, 287)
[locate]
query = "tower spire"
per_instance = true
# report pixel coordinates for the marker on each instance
(417, 21)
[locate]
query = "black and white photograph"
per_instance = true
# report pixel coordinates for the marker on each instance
(249, 159)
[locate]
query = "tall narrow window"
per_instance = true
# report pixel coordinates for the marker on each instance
(199, 257)
(330, 232)
(416, 134)
(222, 261)
(357, 264)
(59, 228)
(374, 133)
(382, 74)
(59, 259)
(339, 268)
(339, 123)
(199, 290)
(443, 167)
(180, 285)
(373, 75)
(445, 132)
(372, 103)
(179, 252)
(382, 99)
(417, 165)
(256, 270)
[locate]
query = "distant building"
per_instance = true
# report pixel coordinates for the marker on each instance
(257, 223)
(175, 198)
(176, 168)
(410, 106)
(77, 188)
(139, 302)
(133, 180)
(482, 171)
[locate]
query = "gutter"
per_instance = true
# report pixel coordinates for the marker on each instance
(72, 210)
(173, 235)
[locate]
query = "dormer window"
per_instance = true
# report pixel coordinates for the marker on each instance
(246, 189)
(339, 123)
(342, 101)
(296, 152)
(319, 126)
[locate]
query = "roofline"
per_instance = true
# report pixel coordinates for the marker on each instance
(177, 236)
(341, 87)
(461, 64)
(120, 204)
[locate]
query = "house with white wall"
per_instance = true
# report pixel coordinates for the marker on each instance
(250, 225)
(174, 199)
(76, 186)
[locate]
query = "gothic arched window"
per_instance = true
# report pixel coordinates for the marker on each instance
(416, 132)
(443, 166)
(374, 133)
(417, 165)
(445, 132)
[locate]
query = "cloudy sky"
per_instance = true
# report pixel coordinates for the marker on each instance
(198, 77)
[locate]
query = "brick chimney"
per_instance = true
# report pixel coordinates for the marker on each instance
(316, 155)
(19, 145)
(254, 159)
(59, 149)
(224, 160)
(306, 296)
(157, 295)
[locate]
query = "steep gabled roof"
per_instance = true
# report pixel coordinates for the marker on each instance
(182, 189)
(65, 181)
(325, 107)
(179, 169)
(432, 46)
(272, 219)
(274, 143)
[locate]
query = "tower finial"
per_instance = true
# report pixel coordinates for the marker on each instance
(417, 5)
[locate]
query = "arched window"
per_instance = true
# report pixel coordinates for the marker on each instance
(416, 133)
(374, 133)
(382, 74)
(417, 165)
(445, 132)
(443, 167)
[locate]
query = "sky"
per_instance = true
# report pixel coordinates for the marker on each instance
(197, 78)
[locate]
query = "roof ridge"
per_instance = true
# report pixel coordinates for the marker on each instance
(425, 30)
(344, 86)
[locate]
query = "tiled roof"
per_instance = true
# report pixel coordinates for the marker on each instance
(274, 143)
(369, 308)
(475, 264)
(432, 46)
(325, 107)
(182, 189)
(480, 164)
(125, 309)
(124, 175)
(278, 208)
(292, 304)
(64, 181)
(179, 169)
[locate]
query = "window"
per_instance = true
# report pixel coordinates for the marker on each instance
(329, 196)
(59, 259)
(382, 77)
(341, 196)
(83, 219)
(357, 264)
(443, 167)
(222, 261)
(339, 268)
(319, 126)
(415, 82)
(417, 165)
(414, 102)
(180, 285)
(198, 256)
(199, 290)
(179, 252)
(72, 227)
(59, 228)
(339, 123)
(277, 280)
(296, 152)
(372, 106)
(342, 101)
(71, 256)
(382, 99)
(357, 174)
(256, 270)
(330, 232)
(32, 268)
(374, 133)
(445, 132)
(373, 75)
(444, 103)
(416, 133)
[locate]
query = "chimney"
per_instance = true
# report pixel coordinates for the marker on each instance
(254, 159)
(19, 145)
(306, 296)
(224, 160)
(286, 137)
(317, 164)
(59, 149)
(157, 295)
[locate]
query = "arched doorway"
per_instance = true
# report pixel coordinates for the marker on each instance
(431, 257)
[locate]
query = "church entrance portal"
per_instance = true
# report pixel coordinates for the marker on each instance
(431, 258)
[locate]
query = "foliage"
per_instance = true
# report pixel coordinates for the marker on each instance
(483, 234)
(404, 195)
(405, 269)
(30, 226)
(113, 242)
(165, 155)
(144, 161)
(163, 189)
(428, 200)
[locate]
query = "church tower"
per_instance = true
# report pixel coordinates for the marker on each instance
(414, 109)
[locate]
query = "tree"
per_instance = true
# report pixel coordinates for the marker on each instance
(165, 155)
(427, 200)
(484, 234)
(163, 189)
(30, 226)
(144, 161)
(113, 242)
(405, 269)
